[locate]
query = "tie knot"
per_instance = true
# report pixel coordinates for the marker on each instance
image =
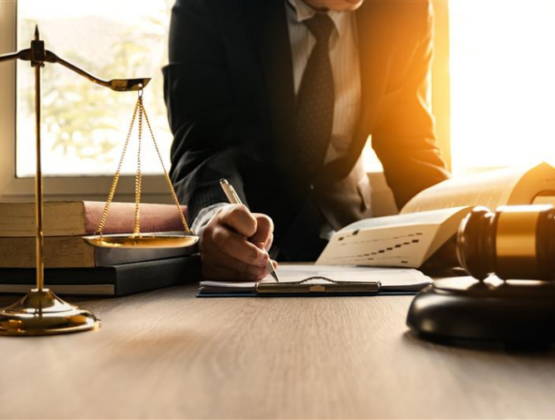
(321, 26)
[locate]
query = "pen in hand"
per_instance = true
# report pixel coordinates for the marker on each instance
(234, 199)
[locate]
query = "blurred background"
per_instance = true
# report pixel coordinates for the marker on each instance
(85, 126)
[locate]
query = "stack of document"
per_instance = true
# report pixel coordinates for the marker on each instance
(318, 280)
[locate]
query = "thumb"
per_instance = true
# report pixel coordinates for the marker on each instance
(264, 231)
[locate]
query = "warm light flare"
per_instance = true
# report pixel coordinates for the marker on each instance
(502, 83)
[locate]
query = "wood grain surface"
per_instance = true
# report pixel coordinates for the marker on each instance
(167, 354)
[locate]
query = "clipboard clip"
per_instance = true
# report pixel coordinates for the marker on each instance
(324, 285)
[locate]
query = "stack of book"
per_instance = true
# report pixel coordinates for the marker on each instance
(74, 267)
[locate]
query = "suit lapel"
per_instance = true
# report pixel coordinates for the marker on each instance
(268, 21)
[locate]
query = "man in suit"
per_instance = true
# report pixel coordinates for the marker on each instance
(279, 97)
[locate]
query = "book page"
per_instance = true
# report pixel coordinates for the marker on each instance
(538, 181)
(390, 278)
(491, 189)
(436, 216)
(406, 240)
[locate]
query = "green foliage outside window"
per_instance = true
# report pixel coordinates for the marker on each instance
(89, 121)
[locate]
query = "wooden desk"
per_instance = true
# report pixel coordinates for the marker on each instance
(167, 354)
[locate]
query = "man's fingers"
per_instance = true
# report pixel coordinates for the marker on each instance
(265, 245)
(239, 219)
(264, 229)
(236, 246)
(269, 242)
(216, 272)
(219, 259)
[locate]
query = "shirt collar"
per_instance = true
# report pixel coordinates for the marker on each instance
(303, 12)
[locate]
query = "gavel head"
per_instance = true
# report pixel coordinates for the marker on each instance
(514, 242)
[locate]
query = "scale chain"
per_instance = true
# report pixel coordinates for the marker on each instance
(166, 176)
(138, 175)
(117, 175)
(141, 112)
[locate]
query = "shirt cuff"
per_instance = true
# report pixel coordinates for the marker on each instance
(204, 216)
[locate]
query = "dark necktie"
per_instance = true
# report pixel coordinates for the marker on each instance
(315, 100)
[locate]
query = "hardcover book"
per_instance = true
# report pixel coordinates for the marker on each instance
(74, 252)
(72, 218)
(117, 280)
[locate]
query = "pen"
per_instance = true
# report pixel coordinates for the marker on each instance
(234, 199)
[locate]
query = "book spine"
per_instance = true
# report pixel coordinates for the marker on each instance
(117, 280)
(73, 218)
(58, 252)
(153, 218)
(175, 272)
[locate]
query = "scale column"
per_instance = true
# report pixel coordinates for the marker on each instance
(38, 54)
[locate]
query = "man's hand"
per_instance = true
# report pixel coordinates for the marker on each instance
(235, 244)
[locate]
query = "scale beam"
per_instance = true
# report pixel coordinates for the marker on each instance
(119, 85)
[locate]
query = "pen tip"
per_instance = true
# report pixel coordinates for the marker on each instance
(223, 181)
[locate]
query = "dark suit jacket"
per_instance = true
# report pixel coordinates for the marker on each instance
(231, 101)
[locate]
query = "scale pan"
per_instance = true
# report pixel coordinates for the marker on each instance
(144, 240)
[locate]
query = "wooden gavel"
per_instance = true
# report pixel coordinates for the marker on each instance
(514, 242)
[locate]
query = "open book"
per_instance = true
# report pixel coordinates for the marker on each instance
(432, 217)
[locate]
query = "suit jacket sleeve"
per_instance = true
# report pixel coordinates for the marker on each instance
(201, 108)
(405, 140)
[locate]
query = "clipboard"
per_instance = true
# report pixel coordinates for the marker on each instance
(318, 286)
(325, 287)
(313, 281)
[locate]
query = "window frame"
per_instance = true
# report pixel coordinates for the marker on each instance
(441, 79)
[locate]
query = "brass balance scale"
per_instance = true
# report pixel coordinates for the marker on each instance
(41, 312)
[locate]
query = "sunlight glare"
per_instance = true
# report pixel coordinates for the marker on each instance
(502, 83)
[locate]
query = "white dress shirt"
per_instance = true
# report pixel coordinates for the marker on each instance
(345, 65)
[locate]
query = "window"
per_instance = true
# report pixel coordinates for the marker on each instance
(84, 125)
(502, 83)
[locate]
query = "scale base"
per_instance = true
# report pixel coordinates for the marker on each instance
(517, 314)
(41, 312)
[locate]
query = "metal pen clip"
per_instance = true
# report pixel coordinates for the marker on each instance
(331, 286)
